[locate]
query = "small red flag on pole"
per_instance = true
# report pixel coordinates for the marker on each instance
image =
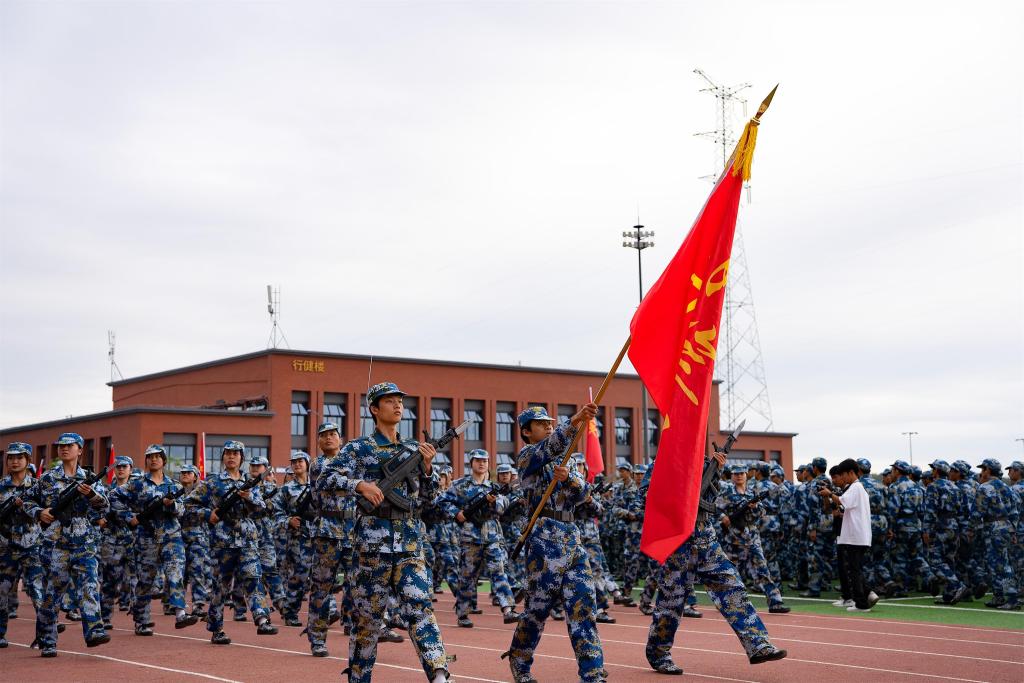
(592, 448)
(201, 456)
(110, 463)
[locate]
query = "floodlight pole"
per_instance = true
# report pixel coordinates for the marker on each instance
(910, 444)
(640, 239)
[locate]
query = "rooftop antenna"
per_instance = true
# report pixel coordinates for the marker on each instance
(274, 309)
(115, 372)
(740, 366)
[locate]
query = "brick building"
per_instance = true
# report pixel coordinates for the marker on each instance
(272, 400)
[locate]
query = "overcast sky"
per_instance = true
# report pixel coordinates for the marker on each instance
(450, 180)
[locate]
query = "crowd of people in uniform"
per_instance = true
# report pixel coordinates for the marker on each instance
(236, 545)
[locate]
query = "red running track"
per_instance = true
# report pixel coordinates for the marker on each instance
(821, 648)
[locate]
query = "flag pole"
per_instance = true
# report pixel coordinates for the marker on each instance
(569, 451)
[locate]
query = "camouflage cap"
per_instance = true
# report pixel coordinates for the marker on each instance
(18, 448)
(68, 438)
(927, 474)
(963, 467)
(1016, 465)
(189, 469)
(479, 454)
(232, 445)
(534, 413)
(505, 467)
(992, 465)
(819, 463)
(941, 466)
(327, 427)
(777, 471)
(299, 455)
(639, 468)
(379, 391)
(124, 460)
(864, 464)
(156, 448)
(259, 460)
(903, 466)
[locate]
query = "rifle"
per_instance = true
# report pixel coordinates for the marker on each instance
(709, 479)
(7, 509)
(304, 503)
(479, 510)
(231, 500)
(156, 507)
(405, 467)
(739, 512)
(70, 494)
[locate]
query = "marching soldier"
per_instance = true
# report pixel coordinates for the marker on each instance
(996, 508)
(1016, 474)
(587, 514)
(941, 506)
(19, 537)
(267, 519)
(157, 540)
(73, 558)
(701, 559)
(481, 538)
(629, 508)
(512, 522)
(234, 540)
(195, 534)
(388, 540)
(296, 501)
(556, 561)
(743, 539)
(117, 547)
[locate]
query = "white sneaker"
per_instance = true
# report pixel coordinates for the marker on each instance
(842, 603)
(854, 608)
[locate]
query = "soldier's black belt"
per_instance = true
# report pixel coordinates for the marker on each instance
(339, 514)
(388, 512)
(558, 515)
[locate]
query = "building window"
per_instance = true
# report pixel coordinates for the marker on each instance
(254, 445)
(505, 459)
(599, 424)
(441, 460)
(366, 424)
(622, 431)
(407, 427)
(504, 426)
(299, 413)
(474, 431)
(181, 449)
(334, 411)
(440, 422)
(653, 430)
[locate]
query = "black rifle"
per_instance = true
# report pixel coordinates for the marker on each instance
(478, 510)
(709, 479)
(230, 501)
(70, 494)
(304, 504)
(739, 512)
(7, 510)
(156, 507)
(406, 467)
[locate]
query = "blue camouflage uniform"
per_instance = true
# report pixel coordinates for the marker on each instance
(876, 561)
(158, 541)
(195, 535)
(299, 546)
(996, 511)
(19, 544)
(906, 504)
(512, 522)
(970, 565)
(941, 508)
(628, 507)
(556, 560)
(388, 545)
(234, 542)
(268, 519)
(1017, 549)
(769, 527)
(481, 545)
(117, 550)
(700, 559)
(72, 564)
(821, 547)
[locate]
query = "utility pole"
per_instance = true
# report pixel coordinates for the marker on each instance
(274, 309)
(910, 444)
(740, 366)
(640, 239)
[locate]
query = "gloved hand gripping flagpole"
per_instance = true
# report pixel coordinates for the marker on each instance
(569, 451)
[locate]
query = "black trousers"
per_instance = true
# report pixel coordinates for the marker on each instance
(851, 573)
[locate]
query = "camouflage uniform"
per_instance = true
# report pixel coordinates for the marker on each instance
(905, 508)
(299, 549)
(556, 561)
(117, 550)
(769, 527)
(234, 542)
(72, 564)
(481, 545)
(821, 547)
(877, 573)
(1017, 549)
(743, 543)
(701, 560)
(941, 507)
(512, 522)
(268, 519)
(970, 566)
(195, 534)
(388, 547)
(19, 546)
(629, 508)
(996, 508)
(158, 542)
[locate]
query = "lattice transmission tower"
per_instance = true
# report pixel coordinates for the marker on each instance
(739, 366)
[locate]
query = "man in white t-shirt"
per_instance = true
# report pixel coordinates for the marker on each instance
(855, 537)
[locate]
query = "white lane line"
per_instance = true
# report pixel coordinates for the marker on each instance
(781, 622)
(307, 654)
(886, 602)
(146, 666)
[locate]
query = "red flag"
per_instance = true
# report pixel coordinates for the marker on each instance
(592, 452)
(675, 335)
(201, 456)
(110, 463)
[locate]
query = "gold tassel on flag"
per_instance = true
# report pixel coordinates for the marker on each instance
(743, 157)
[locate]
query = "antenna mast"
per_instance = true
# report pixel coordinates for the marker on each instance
(740, 367)
(274, 309)
(115, 372)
